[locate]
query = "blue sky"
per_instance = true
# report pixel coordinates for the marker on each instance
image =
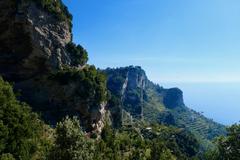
(173, 40)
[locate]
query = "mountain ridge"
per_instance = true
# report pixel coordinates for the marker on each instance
(145, 100)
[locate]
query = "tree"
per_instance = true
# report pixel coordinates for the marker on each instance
(79, 55)
(19, 127)
(159, 151)
(228, 148)
(71, 143)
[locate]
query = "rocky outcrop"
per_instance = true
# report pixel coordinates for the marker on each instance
(135, 98)
(137, 94)
(127, 84)
(133, 95)
(33, 46)
(32, 40)
(173, 98)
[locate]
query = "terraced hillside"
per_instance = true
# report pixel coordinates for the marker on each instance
(197, 123)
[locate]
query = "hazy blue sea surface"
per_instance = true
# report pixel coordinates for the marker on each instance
(218, 101)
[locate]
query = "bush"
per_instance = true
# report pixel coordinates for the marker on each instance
(71, 143)
(78, 54)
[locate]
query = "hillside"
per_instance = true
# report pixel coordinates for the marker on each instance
(55, 106)
(142, 99)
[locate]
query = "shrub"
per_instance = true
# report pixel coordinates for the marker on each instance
(71, 142)
(78, 54)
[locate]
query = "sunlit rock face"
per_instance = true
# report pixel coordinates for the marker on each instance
(133, 95)
(32, 40)
(128, 85)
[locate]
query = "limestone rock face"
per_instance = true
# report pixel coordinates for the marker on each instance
(133, 95)
(33, 46)
(139, 97)
(127, 86)
(32, 40)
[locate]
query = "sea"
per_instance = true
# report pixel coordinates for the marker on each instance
(218, 101)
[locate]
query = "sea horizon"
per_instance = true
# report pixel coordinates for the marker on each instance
(215, 100)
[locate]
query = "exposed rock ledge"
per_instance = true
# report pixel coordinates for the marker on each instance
(32, 40)
(32, 46)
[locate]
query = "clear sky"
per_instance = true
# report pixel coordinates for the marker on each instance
(173, 40)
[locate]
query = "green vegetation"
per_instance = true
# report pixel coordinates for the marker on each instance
(116, 80)
(55, 7)
(21, 132)
(92, 83)
(71, 143)
(78, 54)
(153, 107)
(204, 129)
(228, 148)
(127, 143)
(145, 124)
(23, 136)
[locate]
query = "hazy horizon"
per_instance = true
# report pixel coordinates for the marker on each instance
(217, 101)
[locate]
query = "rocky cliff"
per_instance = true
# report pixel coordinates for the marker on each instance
(173, 98)
(32, 39)
(132, 84)
(142, 100)
(127, 87)
(37, 54)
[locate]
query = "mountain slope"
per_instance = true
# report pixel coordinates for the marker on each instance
(138, 98)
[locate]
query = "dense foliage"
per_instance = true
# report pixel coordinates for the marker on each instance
(127, 143)
(55, 7)
(20, 129)
(228, 148)
(79, 55)
(92, 83)
(116, 80)
(71, 143)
